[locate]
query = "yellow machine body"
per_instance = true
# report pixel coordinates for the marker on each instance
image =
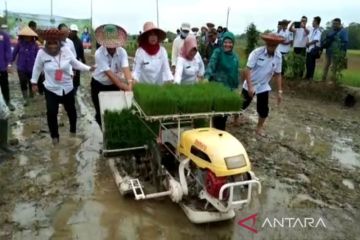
(215, 150)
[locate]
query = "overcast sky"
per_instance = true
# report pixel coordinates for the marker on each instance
(131, 14)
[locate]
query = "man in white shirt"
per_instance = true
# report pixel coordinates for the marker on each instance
(313, 48)
(263, 64)
(178, 43)
(284, 48)
(65, 40)
(300, 38)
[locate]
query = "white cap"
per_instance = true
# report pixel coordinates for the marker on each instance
(4, 26)
(74, 27)
(185, 26)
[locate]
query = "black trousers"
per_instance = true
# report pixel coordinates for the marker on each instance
(310, 66)
(52, 107)
(76, 80)
(24, 78)
(284, 63)
(262, 103)
(97, 87)
(41, 83)
(302, 52)
(4, 84)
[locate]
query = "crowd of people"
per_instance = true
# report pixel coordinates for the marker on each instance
(309, 42)
(53, 69)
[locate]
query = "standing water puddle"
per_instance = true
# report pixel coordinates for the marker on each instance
(345, 154)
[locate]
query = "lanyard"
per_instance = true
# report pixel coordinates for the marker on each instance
(58, 62)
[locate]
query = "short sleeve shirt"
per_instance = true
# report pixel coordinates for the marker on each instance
(263, 66)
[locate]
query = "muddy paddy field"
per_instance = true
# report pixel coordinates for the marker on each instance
(309, 166)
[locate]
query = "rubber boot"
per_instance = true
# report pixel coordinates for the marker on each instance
(4, 131)
(31, 94)
(26, 97)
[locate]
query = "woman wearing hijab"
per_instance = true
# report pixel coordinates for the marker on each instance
(151, 63)
(25, 51)
(223, 67)
(189, 66)
(57, 62)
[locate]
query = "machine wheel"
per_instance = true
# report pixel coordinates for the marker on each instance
(154, 156)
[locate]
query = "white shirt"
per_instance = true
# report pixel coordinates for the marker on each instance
(263, 68)
(105, 62)
(314, 35)
(187, 71)
(177, 45)
(152, 69)
(288, 36)
(300, 38)
(68, 43)
(64, 61)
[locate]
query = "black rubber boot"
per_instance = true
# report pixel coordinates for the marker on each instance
(4, 131)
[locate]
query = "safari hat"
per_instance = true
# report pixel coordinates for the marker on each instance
(27, 31)
(185, 26)
(110, 35)
(151, 27)
(52, 34)
(272, 39)
(74, 27)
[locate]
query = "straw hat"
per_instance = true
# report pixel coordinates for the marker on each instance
(52, 34)
(151, 27)
(110, 35)
(272, 39)
(27, 31)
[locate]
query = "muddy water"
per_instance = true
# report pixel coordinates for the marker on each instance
(308, 161)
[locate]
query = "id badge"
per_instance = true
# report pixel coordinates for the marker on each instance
(59, 75)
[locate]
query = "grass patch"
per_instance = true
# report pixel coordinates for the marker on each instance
(351, 77)
(353, 53)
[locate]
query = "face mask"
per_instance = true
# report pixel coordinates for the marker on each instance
(183, 34)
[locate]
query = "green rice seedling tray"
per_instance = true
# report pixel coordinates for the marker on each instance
(155, 100)
(170, 99)
(123, 129)
(225, 100)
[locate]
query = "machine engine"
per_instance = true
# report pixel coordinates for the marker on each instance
(213, 184)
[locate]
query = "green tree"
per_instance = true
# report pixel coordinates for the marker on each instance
(339, 61)
(354, 35)
(252, 38)
(295, 66)
(170, 36)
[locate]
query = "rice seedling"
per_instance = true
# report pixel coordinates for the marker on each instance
(124, 129)
(171, 99)
(155, 100)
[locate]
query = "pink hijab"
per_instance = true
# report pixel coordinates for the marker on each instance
(189, 43)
